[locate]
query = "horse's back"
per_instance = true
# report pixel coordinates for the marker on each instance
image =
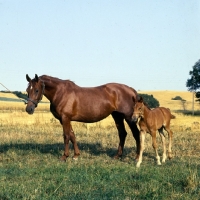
(155, 118)
(92, 104)
(167, 113)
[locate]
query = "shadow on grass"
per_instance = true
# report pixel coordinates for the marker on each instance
(55, 149)
(188, 112)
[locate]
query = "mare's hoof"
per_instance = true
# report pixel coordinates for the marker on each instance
(117, 157)
(63, 158)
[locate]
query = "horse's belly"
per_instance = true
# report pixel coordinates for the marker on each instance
(89, 118)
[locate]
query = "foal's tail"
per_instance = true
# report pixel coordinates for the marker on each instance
(171, 116)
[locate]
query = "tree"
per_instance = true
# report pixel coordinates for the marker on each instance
(20, 95)
(193, 83)
(183, 101)
(150, 100)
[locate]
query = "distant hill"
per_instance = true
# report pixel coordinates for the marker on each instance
(165, 99)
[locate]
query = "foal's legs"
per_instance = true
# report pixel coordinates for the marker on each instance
(142, 139)
(136, 135)
(155, 146)
(163, 143)
(68, 134)
(170, 133)
(119, 122)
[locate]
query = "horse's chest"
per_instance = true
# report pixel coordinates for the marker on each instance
(54, 112)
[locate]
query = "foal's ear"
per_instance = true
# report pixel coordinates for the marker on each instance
(140, 99)
(28, 78)
(36, 77)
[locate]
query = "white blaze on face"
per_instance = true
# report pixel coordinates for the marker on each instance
(31, 87)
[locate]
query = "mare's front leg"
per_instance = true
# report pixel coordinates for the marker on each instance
(119, 122)
(73, 140)
(68, 134)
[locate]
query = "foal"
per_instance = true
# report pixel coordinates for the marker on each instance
(151, 121)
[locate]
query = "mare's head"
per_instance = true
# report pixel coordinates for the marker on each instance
(35, 92)
(138, 109)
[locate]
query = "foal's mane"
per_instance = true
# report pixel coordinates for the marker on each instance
(146, 105)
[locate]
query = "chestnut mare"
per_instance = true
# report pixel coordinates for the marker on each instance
(151, 121)
(69, 102)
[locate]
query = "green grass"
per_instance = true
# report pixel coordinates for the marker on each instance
(30, 167)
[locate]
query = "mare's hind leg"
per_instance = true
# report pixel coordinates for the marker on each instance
(163, 143)
(119, 122)
(136, 134)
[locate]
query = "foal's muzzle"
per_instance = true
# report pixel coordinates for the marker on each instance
(134, 118)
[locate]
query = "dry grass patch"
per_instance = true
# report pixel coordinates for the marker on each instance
(165, 99)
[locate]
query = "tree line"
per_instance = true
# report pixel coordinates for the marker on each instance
(193, 83)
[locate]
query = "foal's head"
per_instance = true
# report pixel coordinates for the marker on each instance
(35, 92)
(138, 109)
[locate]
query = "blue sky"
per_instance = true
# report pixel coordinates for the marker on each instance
(148, 45)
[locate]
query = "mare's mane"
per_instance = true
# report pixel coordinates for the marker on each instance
(50, 78)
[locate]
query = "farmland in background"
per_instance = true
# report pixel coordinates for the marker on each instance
(30, 147)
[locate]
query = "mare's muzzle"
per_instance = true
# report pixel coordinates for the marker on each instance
(31, 105)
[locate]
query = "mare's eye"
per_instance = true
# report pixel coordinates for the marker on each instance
(37, 91)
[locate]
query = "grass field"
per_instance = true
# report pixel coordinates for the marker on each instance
(30, 146)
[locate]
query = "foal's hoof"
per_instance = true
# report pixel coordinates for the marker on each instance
(170, 155)
(138, 165)
(137, 158)
(75, 158)
(159, 163)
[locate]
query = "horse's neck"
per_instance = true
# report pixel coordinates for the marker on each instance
(146, 112)
(50, 87)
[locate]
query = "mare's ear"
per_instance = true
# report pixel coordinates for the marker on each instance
(28, 78)
(36, 77)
